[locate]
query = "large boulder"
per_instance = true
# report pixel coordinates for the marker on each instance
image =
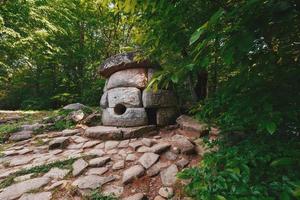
(104, 100)
(128, 78)
(129, 97)
(21, 135)
(130, 117)
(158, 99)
(123, 61)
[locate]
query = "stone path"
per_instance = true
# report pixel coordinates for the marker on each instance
(131, 169)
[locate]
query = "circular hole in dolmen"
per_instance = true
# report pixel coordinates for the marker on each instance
(120, 109)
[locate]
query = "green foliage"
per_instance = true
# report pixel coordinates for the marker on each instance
(96, 195)
(259, 167)
(6, 129)
(50, 51)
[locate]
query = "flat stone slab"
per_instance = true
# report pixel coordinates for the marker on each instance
(57, 173)
(92, 181)
(158, 99)
(16, 190)
(99, 162)
(183, 144)
(123, 61)
(130, 97)
(115, 133)
(131, 117)
(21, 135)
(138, 196)
(59, 143)
(74, 106)
(136, 77)
(168, 175)
(78, 167)
(131, 173)
(148, 159)
(36, 196)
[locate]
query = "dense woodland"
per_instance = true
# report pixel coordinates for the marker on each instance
(234, 64)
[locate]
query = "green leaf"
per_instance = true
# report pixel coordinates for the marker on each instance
(174, 78)
(196, 35)
(271, 127)
(220, 197)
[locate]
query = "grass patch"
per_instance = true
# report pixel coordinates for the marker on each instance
(96, 195)
(7, 129)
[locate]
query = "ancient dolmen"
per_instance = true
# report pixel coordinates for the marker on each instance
(125, 100)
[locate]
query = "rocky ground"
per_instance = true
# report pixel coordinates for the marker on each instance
(73, 163)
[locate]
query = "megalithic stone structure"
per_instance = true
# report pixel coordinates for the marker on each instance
(125, 102)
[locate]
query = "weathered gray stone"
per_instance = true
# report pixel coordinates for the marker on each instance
(123, 61)
(132, 173)
(148, 159)
(166, 192)
(138, 196)
(57, 173)
(158, 99)
(16, 190)
(144, 149)
(90, 144)
(182, 163)
(31, 127)
(190, 124)
(147, 142)
(131, 157)
(21, 135)
(78, 167)
(140, 131)
(92, 181)
(21, 160)
(111, 145)
(56, 184)
(95, 152)
(131, 117)
(70, 132)
(103, 132)
(118, 165)
(74, 106)
(183, 144)
(166, 116)
(168, 175)
(130, 97)
(76, 115)
(136, 144)
(36, 196)
(160, 147)
(136, 77)
(156, 168)
(104, 100)
(23, 178)
(159, 198)
(99, 162)
(59, 143)
(169, 155)
(123, 144)
(97, 171)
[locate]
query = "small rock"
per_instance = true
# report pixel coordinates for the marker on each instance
(99, 162)
(56, 151)
(144, 149)
(78, 139)
(103, 132)
(24, 151)
(112, 151)
(79, 166)
(74, 106)
(135, 145)
(70, 132)
(156, 168)
(170, 155)
(138, 196)
(32, 127)
(123, 153)
(90, 144)
(118, 165)
(77, 115)
(21, 160)
(75, 146)
(188, 123)
(19, 136)
(99, 146)
(59, 143)
(113, 190)
(124, 144)
(55, 185)
(132, 173)
(36, 196)
(182, 163)
(97, 171)
(148, 159)
(16, 190)
(110, 145)
(166, 192)
(23, 178)
(147, 142)
(131, 157)
(95, 152)
(159, 148)
(57, 173)
(92, 181)
(168, 175)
